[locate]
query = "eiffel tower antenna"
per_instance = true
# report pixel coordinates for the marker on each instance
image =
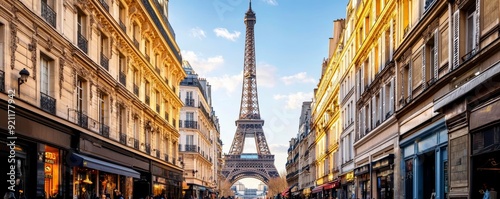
(239, 165)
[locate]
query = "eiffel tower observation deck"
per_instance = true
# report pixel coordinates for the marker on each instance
(239, 165)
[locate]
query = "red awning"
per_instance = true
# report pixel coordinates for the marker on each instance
(326, 186)
(284, 193)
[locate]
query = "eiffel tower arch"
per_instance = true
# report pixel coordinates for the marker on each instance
(239, 165)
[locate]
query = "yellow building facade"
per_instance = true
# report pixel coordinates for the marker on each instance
(95, 85)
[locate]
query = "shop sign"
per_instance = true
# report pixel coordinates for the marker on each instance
(349, 176)
(50, 157)
(362, 170)
(161, 180)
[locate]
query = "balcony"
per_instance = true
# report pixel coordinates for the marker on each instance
(469, 55)
(104, 5)
(147, 100)
(136, 90)
(157, 108)
(104, 130)
(136, 144)
(83, 120)
(104, 61)
(82, 43)
(166, 116)
(190, 148)
(136, 43)
(166, 158)
(48, 103)
(123, 78)
(48, 14)
(123, 138)
(157, 153)
(147, 147)
(189, 102)
(428, 3)
(190, 124)
(122, 26)
(2, 81)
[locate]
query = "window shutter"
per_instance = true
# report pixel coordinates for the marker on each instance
(380, 115)
(476, 25)
(382, 99)
(424, 59)
(456, 31)
(391, 94)
(435, 66)
(410, 66)
(362, 79)
(374, 112)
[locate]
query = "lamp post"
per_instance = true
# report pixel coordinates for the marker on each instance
(20, 80)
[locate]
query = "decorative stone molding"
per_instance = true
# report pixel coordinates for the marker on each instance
(32, 48)
(13, 40)
(61, 73)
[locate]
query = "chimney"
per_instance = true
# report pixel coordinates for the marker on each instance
(338, 27)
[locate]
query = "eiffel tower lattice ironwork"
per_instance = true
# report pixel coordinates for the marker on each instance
(239, 165)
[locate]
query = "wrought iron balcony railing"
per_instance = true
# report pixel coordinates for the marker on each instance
(166, 158)
(166, 116)
(147, 147)
(136, 144)
(123, 78)
(189, 102)
(147, 99)
(190, 124)
(122, 26)
(157, 153)
(136, 43)
(104, 61)
(104, 4)
(82, 43)
(83, 119)
(2, 81)
(190, 147)
(104, 130)
(48, 14)
(123, 138)
(157, 108)
(48, 103)
(136, 90)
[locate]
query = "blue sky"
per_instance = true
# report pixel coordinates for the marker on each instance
(291, 40)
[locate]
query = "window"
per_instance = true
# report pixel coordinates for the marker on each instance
(45, 70)
(147, 92)
(81, 21)
(431, 62)
(189, 116)
(122, 67)
(135, 34)
(471, 30)
(103, 107)
(376, 62)
(189, 139)
(406, 16)
(366, 74)
(122, 14)
(105, 51)
(158, 100)
(121, 119)
(136, 132)
(386, 49)
(81, 95)
(406, 81)
(146, 50)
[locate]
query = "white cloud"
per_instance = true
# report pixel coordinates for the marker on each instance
(224, 33)
(226, 82)
(271, 2)
(266, 75)
(278, 148)
(298, 78)
(294, 100)
(198, 33)
(200, 64)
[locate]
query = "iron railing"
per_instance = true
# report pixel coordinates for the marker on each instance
(190, 147)
(189, 102)
(190, 124)
(82, 43)
(166, 116)
(104, 4)
(157, 153)
(136, 144)
(166, 158)
(104, 130)
(157, 108)
(123, 138)
(123, 78)
(122, 26)
(83, 119)
(104, 61)
(147, 147)
(48, 14)
(48, 103)
(136, 89)
(147, 99)
(136, 43)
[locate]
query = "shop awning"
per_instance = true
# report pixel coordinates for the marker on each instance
(326, 186)
(85, 161)
(284, 193)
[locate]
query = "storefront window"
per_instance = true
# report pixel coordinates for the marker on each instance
(125, 186)
(52, 168)
(385, 184)
(85, 181)
(365, 187)
(107, 184)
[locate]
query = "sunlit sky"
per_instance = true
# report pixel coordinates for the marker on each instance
(291, 39)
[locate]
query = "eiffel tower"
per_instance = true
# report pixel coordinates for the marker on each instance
(239, 165)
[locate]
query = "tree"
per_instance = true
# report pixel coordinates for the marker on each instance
(225, 189)
(277, 185)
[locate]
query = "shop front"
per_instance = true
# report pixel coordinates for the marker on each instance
(326, 190)
(362, 174)
(166, 181)
(383, 170)
(424, 153)
(346, 189)
(33, 156)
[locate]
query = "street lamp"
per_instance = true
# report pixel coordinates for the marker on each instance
(20, 80)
